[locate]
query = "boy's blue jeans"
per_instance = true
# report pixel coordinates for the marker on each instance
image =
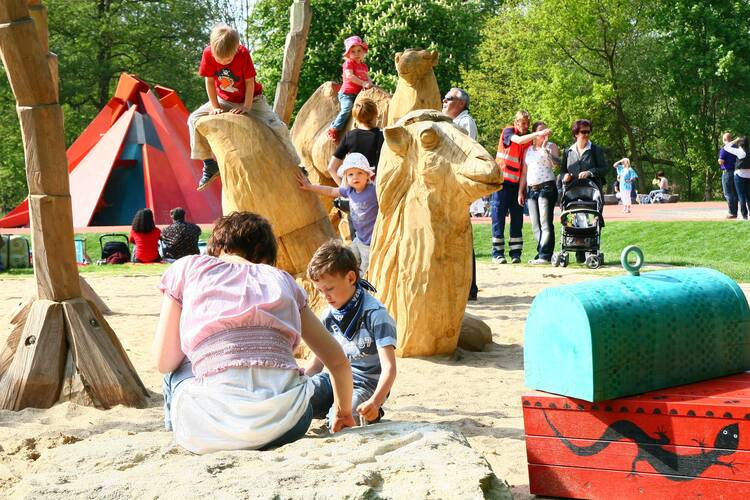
(185, 372)
(322, 399)
(346, 101)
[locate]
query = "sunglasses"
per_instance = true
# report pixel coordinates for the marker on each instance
(449, 99)
(584, 132)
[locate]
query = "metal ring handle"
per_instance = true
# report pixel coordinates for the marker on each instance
(634, 268)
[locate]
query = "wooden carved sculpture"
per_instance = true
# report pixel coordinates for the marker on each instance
(300, 15)
(429, 173)
(417, 87)
(257, 174)
(65, 349)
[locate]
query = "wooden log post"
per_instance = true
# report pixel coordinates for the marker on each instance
(59, 325)
(300, 15)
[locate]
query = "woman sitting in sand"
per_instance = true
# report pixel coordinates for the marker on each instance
(228, 327)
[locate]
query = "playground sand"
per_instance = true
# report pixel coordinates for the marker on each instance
(477, 394)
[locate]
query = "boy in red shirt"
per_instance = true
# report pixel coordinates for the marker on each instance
(231, 87)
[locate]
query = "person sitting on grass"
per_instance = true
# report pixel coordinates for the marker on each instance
(145, 235)
(180, 238)
(363, 328)
(227, 331)
(363, 202)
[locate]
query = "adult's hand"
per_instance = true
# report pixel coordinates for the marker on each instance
(567, 178)
(521, 198)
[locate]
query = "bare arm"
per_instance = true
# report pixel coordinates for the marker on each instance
(212, 97)
(305, 185)
(166, 346)
(554, 153)
(523, 139)
(522, 183)
(369, 409)
(738, 152)
(349, 75)
(333, 169)
(328, 351)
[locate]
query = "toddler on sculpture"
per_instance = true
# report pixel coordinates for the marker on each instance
(356, 175)
(363, 328)
(355, 78)
(231, 86)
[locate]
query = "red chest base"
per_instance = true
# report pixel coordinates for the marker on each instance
(690, 441)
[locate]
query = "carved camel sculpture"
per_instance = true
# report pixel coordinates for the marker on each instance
(430, 171)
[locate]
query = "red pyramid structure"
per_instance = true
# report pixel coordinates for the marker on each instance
(134, 154)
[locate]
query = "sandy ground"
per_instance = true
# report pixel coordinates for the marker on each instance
(476, 393)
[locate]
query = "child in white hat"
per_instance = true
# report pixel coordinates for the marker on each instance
(355, 77)
(356, 174)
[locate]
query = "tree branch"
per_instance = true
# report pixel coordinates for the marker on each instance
(580, 65)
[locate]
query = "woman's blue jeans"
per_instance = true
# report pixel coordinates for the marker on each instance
(541, 212)
(742, 186)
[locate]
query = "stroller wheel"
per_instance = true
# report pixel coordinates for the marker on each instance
(564, 260)
(601, 259)
(592, 261)
(555, 260)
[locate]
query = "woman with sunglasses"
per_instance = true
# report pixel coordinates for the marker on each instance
(584, 160)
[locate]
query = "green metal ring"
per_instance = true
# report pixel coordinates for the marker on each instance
(635, 268)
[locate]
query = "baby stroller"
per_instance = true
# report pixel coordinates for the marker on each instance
(581, 222)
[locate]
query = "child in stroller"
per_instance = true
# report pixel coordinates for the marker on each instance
(581, 220)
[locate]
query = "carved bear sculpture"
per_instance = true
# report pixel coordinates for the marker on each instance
(429, 173)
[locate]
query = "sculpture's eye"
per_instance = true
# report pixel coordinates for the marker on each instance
(735, 436)
(725, 433)
(429, 138)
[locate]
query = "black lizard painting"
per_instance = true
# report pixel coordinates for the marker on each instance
(651, 449)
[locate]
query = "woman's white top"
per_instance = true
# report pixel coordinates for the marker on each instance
(740, 154)
(239, 408)
(538, 166)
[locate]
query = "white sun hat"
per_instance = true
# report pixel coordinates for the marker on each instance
(355, 160)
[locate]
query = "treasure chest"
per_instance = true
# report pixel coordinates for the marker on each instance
(691, 441)
(626, 335)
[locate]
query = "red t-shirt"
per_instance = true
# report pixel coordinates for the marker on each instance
(359, 70)
(146, 245)
(229, 79)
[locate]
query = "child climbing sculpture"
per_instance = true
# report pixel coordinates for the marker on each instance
(355, 78)
(231, 86)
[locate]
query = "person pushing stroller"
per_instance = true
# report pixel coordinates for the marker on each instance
(584, 160)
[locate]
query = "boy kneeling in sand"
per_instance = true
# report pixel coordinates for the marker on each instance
(363, 328)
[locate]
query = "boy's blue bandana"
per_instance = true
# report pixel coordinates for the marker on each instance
(349, 317)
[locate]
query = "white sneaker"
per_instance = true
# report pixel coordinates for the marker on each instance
(499, 260)
(538, 262)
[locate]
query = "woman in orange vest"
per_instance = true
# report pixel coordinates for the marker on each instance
(514, 141)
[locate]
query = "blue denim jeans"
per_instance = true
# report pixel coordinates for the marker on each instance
(322, 399)
(742, 186)
(541, 212)
(185, 372)
(346, 102)
(501, 203)
(730, 194)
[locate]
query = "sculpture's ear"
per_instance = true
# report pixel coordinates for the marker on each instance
(398, 56)
(433, 55)
(397, 138)
(430, 138)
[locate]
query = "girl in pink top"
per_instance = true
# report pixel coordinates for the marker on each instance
(355, 78)
(227, 331)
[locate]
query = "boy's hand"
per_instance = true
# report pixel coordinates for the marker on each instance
(239, 110)
(341, 422)
(369, 410)
(216, 111)
(367, 85)
(302, 182)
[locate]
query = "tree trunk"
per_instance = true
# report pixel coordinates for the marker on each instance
(300, 14)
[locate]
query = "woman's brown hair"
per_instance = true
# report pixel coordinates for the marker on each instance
(245, 234)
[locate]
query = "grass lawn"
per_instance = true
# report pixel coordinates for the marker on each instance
(721, 245)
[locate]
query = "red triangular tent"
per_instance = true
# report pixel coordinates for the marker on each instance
(134, 154)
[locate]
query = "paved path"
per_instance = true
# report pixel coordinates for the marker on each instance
(680, 211)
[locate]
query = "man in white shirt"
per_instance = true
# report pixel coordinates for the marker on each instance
(456, 105)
